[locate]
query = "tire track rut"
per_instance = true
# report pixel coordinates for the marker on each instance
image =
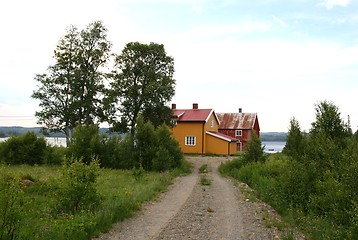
(189, 210)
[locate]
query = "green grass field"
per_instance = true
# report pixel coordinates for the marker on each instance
(122, 194)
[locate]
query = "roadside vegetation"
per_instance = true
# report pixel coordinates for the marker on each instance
(313, 183)
(77, 192)
(59, 204)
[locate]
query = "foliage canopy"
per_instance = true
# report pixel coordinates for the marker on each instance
(72, 92)
(143, 83)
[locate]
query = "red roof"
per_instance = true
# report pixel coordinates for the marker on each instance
(197, 115)
(237, 120)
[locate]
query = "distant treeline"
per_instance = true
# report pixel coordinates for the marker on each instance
(273, 136)
(18, 131)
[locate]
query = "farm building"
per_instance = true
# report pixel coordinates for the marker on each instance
(240, 126)
(196, 130)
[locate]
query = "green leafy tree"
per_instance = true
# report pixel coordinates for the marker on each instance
(94, 52)
(295, 141)
(146, 143)
(328, 139)
(72, 91)
(168, 153)
(255, 150)
(143, 83)
(329, 121)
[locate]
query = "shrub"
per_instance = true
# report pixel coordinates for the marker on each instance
(117, 153)
(25, 149)
(77, 189)
(54, 155)
(255, 150)
(230, 167)
(332, 200)
(156, 149)
(168, 153)
(110, 154)
(86, 143)
(146, 143)
(126, 155)
(163, 160)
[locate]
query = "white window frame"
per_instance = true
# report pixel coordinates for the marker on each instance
(190, 140)
(238, 133)
(212, 123)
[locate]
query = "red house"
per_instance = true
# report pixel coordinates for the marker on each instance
(239, 125)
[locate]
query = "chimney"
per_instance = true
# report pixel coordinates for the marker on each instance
(195, 106)
(240, 110)
(174, 106)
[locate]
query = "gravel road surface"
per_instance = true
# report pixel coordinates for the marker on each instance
(190, 210)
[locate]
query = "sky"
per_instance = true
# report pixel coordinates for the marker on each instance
(276, 58)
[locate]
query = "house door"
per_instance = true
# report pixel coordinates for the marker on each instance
(239, 147)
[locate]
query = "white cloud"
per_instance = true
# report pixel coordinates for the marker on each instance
(329, 4)
(196, 9)
(279, 21)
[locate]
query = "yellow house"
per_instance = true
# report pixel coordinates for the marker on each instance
(196, 130)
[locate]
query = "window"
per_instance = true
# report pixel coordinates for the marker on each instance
(238, 133)
(212, 123)
(190, 141)
(173, 122)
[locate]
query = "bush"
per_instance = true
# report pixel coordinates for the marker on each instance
(117, 153)
(86, 143)
(25, 149)
(77, 190)
(125, 154)
(55, 155)
(255, 150)
(156, 149)
(146, 143)
(168, 154)
(332, 200)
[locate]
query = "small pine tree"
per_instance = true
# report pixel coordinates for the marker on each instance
(255, 150)
(295, 141)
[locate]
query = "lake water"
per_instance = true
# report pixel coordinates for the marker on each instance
(273, 147)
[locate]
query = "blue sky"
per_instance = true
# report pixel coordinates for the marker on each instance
(273, 57)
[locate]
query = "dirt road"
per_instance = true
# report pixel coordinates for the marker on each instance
(190, 210)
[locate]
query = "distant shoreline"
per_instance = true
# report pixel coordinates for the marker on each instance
(17, 131)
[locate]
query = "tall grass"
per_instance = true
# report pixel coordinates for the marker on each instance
(121, 193)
